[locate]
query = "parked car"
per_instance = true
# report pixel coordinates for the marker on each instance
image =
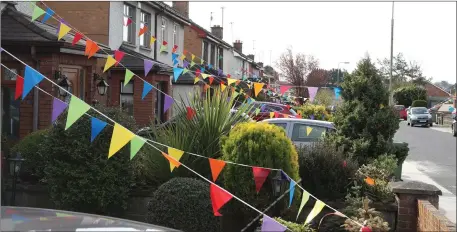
(454, 123)
(401, 109)
(35, 219)
(267, 107)
(298, 129)
(419, 116)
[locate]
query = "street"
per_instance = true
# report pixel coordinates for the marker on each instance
(431, 159)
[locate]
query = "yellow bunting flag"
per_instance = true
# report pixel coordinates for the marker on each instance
(121, 136)
(109, 62)
(182, 57)
(175, 153)
(272, 114)
(64, 29)
(257, 88)
(196, 80)
(223, 87)
(308, 130)
(205, 75)
(315, 211)
(202, 61)
(230, 81)
(76, 109)
(304, 199)
(381, 106)
(193, 57)
(153, 39)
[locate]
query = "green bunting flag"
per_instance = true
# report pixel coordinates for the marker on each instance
(76, 109)
(135, 145)
(37, 12)
(128, 75)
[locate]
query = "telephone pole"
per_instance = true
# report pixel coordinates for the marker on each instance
(391, 54)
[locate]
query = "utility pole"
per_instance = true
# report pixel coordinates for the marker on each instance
(211, 20)
(222, 8)
(231, 26)
(391, 54)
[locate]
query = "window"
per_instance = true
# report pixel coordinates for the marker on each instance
(10, 113)
(159, 100)
(9, 75)
(145, 22)
(205, 51)
(129, 31)
(213, 54)
(126, 97)
(220, 57)
(283, 125)
(164, 29)
(307, 133)
(175, 34)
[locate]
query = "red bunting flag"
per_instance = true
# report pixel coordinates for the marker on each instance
(344, 164)
(128, 21)
(197, 73)
(164, 43)
(277, 114)
(88, 47)
(19, 87)
(219, 198)
(118, 55)
(288, 107)
(211, 79)
(190, 113)
(260, 175)
(175, 48)
(298, 116)
(216, 167)
(365, 229)
(228, 76)
(77, 37)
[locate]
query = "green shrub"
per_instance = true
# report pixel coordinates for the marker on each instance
(79, 175)
(257, 144)
(325, 171)
(419, 103)
(183, 204)
(319, 111)
(400, 150)
(294, 227)
(30, 149)
(407, 94)
(369, 215)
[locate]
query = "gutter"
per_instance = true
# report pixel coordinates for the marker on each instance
(171, 14)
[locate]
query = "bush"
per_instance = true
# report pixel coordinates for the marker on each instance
(400, 150)
(257, 144)
(183, 204)
(325, 171)
(319, 111)
(370, 216)
(294, 227)
(419, 103)
(79, 175)
(406, 95)
(324, 97)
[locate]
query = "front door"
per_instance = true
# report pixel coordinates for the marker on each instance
(75, 75)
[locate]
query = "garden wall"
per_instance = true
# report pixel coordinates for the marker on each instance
(430, 219)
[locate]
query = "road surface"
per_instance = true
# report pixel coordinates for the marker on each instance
(431, 159)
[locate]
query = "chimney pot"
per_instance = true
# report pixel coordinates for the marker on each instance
(181, 7)
(217, 31)
(238, 45)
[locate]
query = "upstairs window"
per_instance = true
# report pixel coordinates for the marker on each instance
(205, 51)
(175, 34)
(163, 29)
(129, 31)
(145, 22)
(220, 58)
(213, 54)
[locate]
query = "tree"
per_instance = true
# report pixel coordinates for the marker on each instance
(268, 70)
(296, 69)
(402, 71)
(335, 78)
(407, 94)
(445, 85)
(318, 78)
(324, 97)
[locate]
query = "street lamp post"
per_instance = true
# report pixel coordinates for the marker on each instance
(338, 75)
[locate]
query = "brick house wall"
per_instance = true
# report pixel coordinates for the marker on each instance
(192, 41)
(430, 219)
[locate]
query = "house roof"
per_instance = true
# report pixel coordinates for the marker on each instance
(136, 62)
(170, 10)
(208, 33)
(435, 91)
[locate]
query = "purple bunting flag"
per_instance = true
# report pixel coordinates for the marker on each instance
(167, 102)
(311, 116)
(269, 225)
(185, 63)
(147, 66)
(312, 93)
(219, 72)
(58, 107)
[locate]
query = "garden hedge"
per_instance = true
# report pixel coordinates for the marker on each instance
(419, 103)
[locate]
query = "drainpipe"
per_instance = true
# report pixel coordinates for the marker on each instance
(156, 15)
(35, 91)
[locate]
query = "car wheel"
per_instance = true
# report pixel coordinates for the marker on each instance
(431, 124)
(408, 123)
(412, 125)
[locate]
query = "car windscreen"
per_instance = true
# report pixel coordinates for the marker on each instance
(419, 111)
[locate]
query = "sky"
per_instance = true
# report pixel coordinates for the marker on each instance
(335, 32)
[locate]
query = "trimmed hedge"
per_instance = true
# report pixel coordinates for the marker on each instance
(419, 103)
(319, 111)
(183, 204)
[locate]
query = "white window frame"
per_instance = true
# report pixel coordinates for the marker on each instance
(131, 38)
(175, 34)
(164, 29)
(144, 41)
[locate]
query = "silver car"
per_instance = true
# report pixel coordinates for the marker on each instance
(419, 116)
(303, 131)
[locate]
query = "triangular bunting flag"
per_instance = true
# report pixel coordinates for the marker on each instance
(337, 92)
(19, 87)
(128, 75)
(175, 153)
(312, 93)
(97, 126)
(235, 94)
(58, 107)
(202, 61)
(223, 87)
(135, 145)
(89, 44)
(206, 87)
(192, 63)
(257, 111)
(216, 167)
(230, 81)
(197, 73)
(193, 57)
(177, 72)
(270, 225)
(311, 117)
(175, 48)
(202, 70)
(118, 55)
(146, 89)
(76, 109)
(37, 12)
(272, 114)
(260, 175)
(257, 88)
(210, 66)
(173, 162)
(284, 88)
(304, 199)
(142, 30)
(128, 21)
(153, 39)
(31, 79)
(190, 113)
(93, 49)
(196, 80)
(219, 198)
(17, 218)
(204, 75)
(121, 136)
(315, 211)
(77, 38)
(211, 79)
(308, 130)
(48, 15)
(185, 63)
(174, 56)
(64, 29)
(167, 102)
(147, 66)
(277, 114)
(291, 191)
(163, 48)
(284, 176)
(109, 62)
(185, 70)
(182, 57)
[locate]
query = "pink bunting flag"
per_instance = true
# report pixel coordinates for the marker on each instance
(284, 88)
(219, 198)
(167, 102)
(118, 55)
(260, 175)
(127, 21)
(312, 93)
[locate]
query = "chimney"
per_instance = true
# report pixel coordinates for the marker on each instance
(250, 56)
(217, 31)
(260, 64)
(238, 45)
(182, 7)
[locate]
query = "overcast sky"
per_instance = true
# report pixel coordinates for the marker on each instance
(340, 31)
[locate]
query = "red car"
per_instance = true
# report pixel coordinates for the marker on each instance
(401, 109)
(267, 107)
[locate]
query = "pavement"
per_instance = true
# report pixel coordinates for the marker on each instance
(432, 159)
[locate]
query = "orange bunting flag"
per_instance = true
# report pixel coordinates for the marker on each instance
(216, 167)
(206, 87)
(142, 30)
(211, 79)
(109, 62)
(176, 154)
(223, 87)
(369, 181)
(238, 82)
(258, 87)
(173, 163)
(260, 175)
(94, 49)
(219, 198)
(88, 47)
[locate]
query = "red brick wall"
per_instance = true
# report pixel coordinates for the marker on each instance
(430, 219)
(192, 42)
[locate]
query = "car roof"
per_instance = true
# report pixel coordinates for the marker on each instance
(298, 120)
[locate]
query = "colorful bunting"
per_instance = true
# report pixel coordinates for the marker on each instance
(93, 49)
(202, 69)
(146, 89)
(32, 78)
(216, 167)
(193, 57)
(284, 88)
(230, 81)
(260, 175)
(311, 116)
(312, 93)
(167, 102)
(19, 87)
(304, 199)
(257, 88)
(291, 191)
(257, 111)
(272, 114)
(173, 162)
(151, 42)
(121, 136)
(175, 48)
(197, 73)
(77, 38)
(110, 61)
(223, 87)
(185, 70)
(337, 92)
(182, 57)
(211, 79)
(185, 63)
(118, 55)
(127, 21)
(135, 145)
(206, 87)
(48, 15)
(269, 225)
(177, 72)
(276, 113)
(210, 66)
(37, 12)
(64, 29)
(76, 109)
(176, 154)
(97, 126)
(192, 63)
(219, 198)
(142, 30)
(308, 130)
(89, 44)
(315, 211)
(147, 66)
(58, 107)
(163, 48)
(174, 56)
(190, 113)
(128, 75)
(204, 75)
(196, 80)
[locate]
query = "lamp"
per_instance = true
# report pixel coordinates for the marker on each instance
(64, 83)
(15, 167)
(102, 86)
(277, 184)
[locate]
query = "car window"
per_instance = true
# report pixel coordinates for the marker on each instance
(419, 111)
(307, 133)
(273, 108)
(283, 125)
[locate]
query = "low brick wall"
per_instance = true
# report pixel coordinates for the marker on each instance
(430, 218)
